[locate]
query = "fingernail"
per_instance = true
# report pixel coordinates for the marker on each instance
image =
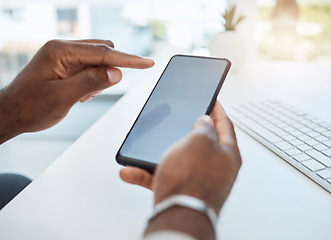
(85, 99)
(150, 60)
(112, 77)
(109, 73)
(206, 118)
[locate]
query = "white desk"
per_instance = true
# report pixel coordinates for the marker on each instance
(80, 196)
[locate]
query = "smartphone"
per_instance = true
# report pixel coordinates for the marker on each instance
(187, 89)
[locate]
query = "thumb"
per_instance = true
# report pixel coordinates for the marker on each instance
(91, 80)
(203, 121)
(205, 125)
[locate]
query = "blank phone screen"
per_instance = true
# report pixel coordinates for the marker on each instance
(183, 93)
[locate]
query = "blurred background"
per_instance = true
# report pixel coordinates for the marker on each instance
(271, 30)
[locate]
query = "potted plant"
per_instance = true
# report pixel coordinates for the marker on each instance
(229, 43)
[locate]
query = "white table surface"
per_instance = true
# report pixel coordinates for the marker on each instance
(80, 196)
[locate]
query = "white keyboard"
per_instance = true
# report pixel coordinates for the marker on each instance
(299, 138)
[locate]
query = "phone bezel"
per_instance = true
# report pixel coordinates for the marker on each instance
(150, 167)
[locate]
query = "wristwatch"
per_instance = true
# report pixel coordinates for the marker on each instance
(188, 202)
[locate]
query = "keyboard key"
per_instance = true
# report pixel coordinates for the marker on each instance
(234, 113)
(288, 137)
(320, 147)
(305, 129)
(283, 145)
(327, 134)
(289, 121)
(267, 125)
(325, 174)
(298, 125)
(325, 124)
(321, 138)
(296, 133)
(327, 143)
(304, 147)
(289, 129)
(266, 134)
(311, 142)
(293, 152)
(318, 121)
(299, 112)
(309, 117)
(329, 180)
(275, 121)
(327, 152)
(303, 121)
(321, 129)
(296, 142)
(283, 125)
(320, 157)
(275, 129)
(312, 125)
(281, 133)
(313, 165)
(301, 157)
(304, 137)
(286, 118)
(263, 122)
(313, 134)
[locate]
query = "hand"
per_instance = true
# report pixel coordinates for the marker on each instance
(60, 74)
(204, 164)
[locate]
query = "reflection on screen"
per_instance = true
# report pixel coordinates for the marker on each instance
(182, 95)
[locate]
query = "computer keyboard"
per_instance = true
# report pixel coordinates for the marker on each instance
(301, 139)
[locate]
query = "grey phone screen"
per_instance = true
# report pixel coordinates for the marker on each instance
(182, 94)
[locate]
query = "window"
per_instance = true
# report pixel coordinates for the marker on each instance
(67, 20)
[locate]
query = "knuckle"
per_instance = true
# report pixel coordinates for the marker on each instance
(103, 47)
(110, 43)
(52, 50)
(54, 43)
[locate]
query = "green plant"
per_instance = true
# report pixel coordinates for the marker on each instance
(159, 29)
(231, 21)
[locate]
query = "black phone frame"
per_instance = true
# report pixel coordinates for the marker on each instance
(148, 166)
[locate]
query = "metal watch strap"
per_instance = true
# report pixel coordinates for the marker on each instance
(188, 202)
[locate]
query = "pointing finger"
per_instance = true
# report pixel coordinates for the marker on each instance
(96, 41)
(79, 53)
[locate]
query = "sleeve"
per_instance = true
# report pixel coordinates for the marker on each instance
(166, 235)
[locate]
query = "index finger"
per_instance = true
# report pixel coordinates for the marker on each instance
(102, 55)
(96, 41)
(223, 125)
(137, 176)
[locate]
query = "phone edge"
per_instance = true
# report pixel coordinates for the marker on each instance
(148, 166)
